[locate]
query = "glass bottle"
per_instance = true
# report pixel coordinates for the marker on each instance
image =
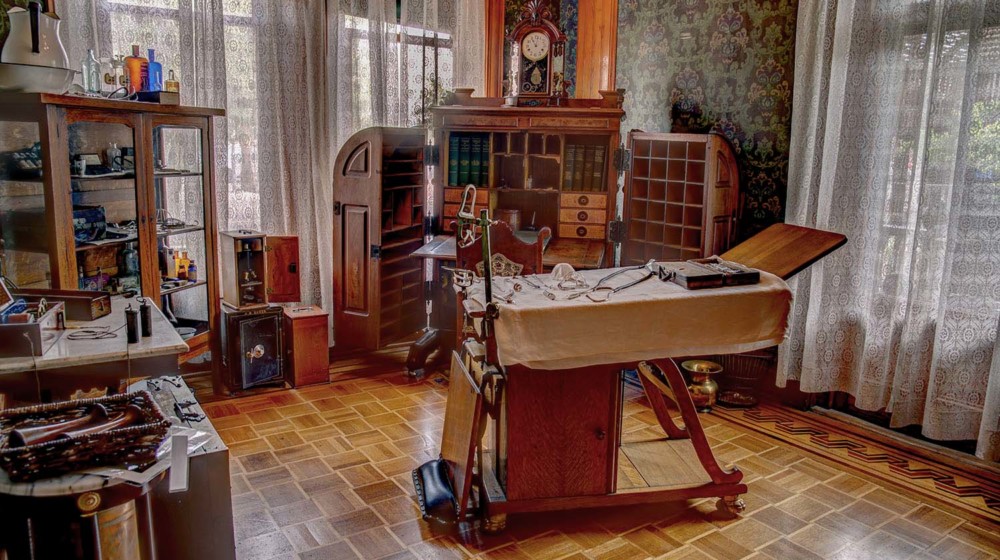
(81, 283)
(120, 75)
(109, 82)
(130, 260)
(137, 68)
(192, 272)
(91, 73)
(114, 158)
(155, 73)
(172, 84)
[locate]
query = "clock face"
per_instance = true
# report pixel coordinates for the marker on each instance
(535, 46)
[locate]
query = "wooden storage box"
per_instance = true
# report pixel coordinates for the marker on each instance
(18, 340)
(306, 345)
(81, 305)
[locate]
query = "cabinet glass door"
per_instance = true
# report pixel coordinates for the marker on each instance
(106, 213)
(25, 250)
(181, 236)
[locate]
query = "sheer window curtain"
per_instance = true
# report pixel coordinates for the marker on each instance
(296, 77)
(896, 127)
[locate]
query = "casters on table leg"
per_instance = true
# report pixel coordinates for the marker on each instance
(495, 523)
(733, 505)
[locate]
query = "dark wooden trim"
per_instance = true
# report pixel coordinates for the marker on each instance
(107, 104)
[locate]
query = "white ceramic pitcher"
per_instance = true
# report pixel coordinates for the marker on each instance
(34, 38)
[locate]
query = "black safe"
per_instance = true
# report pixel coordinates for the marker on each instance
(252, 348)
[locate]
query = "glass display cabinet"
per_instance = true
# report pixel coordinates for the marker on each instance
(114, 196)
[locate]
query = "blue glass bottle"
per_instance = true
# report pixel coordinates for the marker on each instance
(155, 73)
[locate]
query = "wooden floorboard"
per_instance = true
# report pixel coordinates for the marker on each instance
(324, 472)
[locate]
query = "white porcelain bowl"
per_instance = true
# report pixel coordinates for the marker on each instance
(28, 78)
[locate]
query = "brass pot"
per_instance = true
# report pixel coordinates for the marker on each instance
(704, 390)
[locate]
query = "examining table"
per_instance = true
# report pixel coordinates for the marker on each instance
(554, 427)
(73, 366)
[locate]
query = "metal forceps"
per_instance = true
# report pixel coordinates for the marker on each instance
(606, 291)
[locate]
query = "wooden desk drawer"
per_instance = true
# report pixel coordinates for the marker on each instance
(581, 231)
(582, 216)
(583, 200)
(455, 195)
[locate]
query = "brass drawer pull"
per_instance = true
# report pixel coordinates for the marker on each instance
(581, 216)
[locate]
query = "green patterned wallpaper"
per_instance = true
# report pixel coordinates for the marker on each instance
(4, 6)
(721, 65)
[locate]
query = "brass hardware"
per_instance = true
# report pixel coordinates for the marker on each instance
(88, 502)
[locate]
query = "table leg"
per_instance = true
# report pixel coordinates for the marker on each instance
(675, 384)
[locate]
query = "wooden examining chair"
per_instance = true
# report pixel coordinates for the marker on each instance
(510, 249)
(504, 242)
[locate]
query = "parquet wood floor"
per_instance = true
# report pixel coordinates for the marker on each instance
(324, 473)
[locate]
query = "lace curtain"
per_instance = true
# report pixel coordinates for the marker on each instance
(896, 127)
(297, 78)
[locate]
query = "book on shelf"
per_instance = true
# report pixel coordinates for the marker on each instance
(598, 175)
(475, 159)
(588, 168)
(484, 169)
(578, 169)
(453, 159)
(570, 166)
(464, 163)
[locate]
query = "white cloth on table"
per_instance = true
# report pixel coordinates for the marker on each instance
(651, 320)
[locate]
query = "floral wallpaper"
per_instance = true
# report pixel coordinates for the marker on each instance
(4, 22)
(716, 65)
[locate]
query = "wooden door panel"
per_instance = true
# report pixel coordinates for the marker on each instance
(355, 262)
(283, 269)
(562, 428)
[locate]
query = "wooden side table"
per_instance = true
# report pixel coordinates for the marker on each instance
(307, 347)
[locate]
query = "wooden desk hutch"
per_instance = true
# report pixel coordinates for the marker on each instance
(556, 166)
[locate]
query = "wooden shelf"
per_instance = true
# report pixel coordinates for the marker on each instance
(171, 175)
(660, 463)
(183, 288)
(179, 231)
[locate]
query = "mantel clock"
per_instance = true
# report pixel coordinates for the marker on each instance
(537, 55)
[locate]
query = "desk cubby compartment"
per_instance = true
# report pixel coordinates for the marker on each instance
(687, 184)
(510, 169)
(640, 188)
(691, 239)
(543, 172)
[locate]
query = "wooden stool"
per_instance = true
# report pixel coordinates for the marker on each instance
(306, 345)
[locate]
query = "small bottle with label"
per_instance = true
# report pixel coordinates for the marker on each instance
(172, 84)
(192, 272)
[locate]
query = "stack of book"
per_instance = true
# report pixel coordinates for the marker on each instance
(584, 169)
(469, 159)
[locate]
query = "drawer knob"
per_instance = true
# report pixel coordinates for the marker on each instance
(581, 215)
(581, 231)
(583, 200)
(601, 434)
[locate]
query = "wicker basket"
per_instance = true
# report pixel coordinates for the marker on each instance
(741, 375)
(132, 446)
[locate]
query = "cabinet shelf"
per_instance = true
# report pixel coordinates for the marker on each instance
(159, 176)
(179, 231)
(187, 286)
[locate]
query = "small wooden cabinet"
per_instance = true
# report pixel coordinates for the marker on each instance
(379, 198)
(681, 197)
(307, 355)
